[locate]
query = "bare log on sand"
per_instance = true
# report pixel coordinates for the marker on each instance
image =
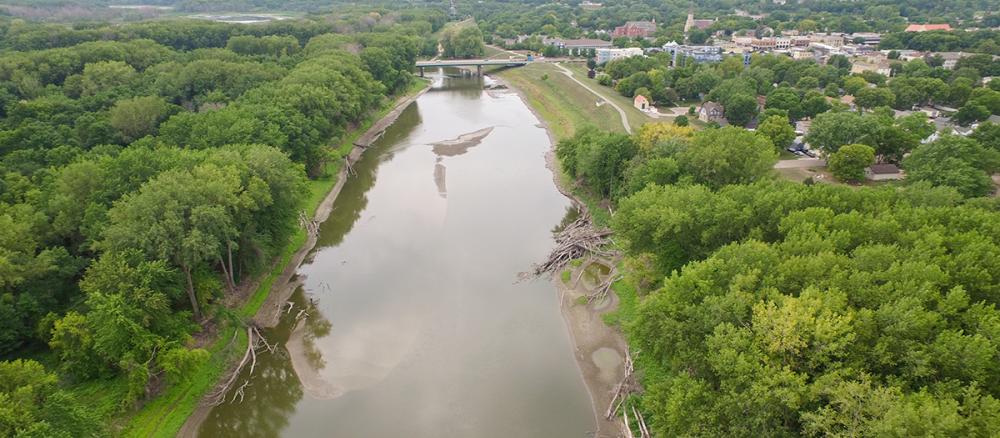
(602, 290)
(623, 389)
(579, 239)
(255, 342)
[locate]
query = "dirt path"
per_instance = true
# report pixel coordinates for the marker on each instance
(502, 50)
(621, 112)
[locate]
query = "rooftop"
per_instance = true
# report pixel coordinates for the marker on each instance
(884, 169)
(927, 27)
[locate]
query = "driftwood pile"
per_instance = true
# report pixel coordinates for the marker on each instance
(622, 391)
(580, 238)
(255, 342)
(310, 225)
(601, 292)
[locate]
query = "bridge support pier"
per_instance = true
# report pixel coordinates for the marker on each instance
(479, 70)
(421, 72)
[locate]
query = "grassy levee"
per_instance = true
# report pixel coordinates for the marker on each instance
(164, 415)
(564, 105)
(636, 118)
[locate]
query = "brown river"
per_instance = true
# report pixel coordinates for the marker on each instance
(410, 321)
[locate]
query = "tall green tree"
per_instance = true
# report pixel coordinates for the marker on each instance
(138, 117)
(956, 162)
(778, 130)
(184, 217)
(717, 157)
(850, 161)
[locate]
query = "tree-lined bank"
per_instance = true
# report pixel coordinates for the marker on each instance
(145, 186)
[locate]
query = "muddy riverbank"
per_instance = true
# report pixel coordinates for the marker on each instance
(284, 285)
(411, 305)
(599, 349)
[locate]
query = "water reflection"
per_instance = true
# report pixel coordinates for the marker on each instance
(572, 214)
(416, 326)
(353, 197)
(269, 400)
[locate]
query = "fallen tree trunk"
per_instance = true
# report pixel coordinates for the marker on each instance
(255, 342)
(623, 389)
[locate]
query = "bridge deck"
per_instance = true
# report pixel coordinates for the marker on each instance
(471, 62)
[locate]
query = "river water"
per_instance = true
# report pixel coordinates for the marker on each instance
(414, 324)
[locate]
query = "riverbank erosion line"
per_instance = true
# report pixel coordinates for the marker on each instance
(268, 314)
(599, 349)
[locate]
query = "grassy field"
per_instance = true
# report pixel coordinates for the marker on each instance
(564, 105)
(164, 415)
(495, 52)
(636, 118)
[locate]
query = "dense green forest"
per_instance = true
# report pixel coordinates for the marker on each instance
(762, 307)
(147, 171)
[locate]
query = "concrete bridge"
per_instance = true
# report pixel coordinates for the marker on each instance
(478, 63)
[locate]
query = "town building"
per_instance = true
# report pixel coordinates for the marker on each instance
(866, 38)
(799, 53)
(745, 14)
(884, 172)
(927, 27)
(577, 44)
(729, 47)
(635, 29)
(769, 43)
(712, 112)
(606, 55)
(699, 53)
(907, 55)
(951, 58)
(860, 67)
(692, 23)
(833, 39)
(641, 102)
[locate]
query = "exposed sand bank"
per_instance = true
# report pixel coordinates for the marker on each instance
(461, 144)
(599, 348)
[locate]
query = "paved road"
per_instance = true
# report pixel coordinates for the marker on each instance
(800, 163)
(621, 112)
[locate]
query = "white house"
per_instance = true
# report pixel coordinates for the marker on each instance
(606, 55)
(884, 172)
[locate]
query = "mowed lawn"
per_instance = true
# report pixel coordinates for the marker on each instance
(635, 117)
(563, 104)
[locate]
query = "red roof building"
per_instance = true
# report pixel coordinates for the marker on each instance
(927, 27)
(635, 29)
(640, 102)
